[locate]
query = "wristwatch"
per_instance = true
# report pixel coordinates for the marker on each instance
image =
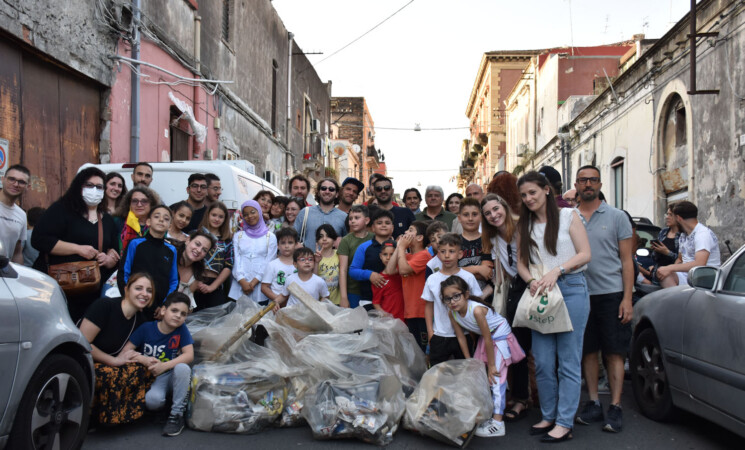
(562, 270)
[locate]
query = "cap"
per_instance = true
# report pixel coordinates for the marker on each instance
(360, 185)
(551, 175)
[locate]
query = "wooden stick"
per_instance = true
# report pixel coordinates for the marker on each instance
(241, 331)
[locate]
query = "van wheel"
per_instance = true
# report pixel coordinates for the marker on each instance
(649, 378)
(55, 408)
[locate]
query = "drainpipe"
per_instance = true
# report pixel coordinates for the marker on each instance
(134, 139)
(199, 96)
(288, 152)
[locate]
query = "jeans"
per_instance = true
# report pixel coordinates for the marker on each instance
(560, 397)
(177, 381)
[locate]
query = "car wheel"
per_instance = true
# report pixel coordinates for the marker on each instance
(648, 377)
(55, 408)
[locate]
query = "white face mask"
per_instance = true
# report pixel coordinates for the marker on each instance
(92, 196)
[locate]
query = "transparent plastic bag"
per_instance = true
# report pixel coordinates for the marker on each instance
(452, 398)
(323, 317)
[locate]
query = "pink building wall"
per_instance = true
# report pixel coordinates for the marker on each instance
(155, 143)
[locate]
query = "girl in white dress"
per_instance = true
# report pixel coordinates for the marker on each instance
(254, 246)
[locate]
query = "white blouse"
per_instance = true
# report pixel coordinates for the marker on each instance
(251, 255)
(564, 245)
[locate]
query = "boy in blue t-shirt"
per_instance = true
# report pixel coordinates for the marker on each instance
(167, 350)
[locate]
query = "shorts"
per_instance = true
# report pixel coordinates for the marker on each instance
(442, 349)
(604, 331)
(418, 328)
(354, 300)
(682, 278)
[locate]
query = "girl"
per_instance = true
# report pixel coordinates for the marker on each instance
(499, 237)
(182, 212)
(115, 191)
(294, 205)
(121, 383)
(558, 240)
(327, 261)
(219, 261)
(254, 246)
(190, 256)
(265, 199)
(277, 213)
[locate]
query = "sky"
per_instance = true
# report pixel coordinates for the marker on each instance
(420, 65)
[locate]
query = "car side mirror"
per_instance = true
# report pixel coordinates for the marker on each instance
(4, 260)
(703, 277)
(643, 252)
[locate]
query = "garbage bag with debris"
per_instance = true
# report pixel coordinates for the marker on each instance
(322, 317)
(212, 327)
(452, 398)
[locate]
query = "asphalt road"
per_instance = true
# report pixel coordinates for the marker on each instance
(687, 432)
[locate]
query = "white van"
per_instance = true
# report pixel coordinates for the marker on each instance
(171, 178)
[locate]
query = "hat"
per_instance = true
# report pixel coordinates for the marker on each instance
(360, 185)
(551, 175)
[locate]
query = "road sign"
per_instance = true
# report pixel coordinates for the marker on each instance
(4, 155)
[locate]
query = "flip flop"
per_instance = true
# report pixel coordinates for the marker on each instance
(513, 416)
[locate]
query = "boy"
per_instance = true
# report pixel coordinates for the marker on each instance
(305, 278)
(366, 264)
(278, 270)
(412, 268)
(167, 350)
(442, 341)
(471, 259)
(359, 218)
(435, 231)
(390, 297)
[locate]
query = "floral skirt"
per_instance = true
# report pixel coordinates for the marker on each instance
(120, 393)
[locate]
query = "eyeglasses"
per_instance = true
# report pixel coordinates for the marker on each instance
(16, 181)
(453, 298)
(383, 188)
(304, 260)
(327, 188)
(198, 187)
(584, 180)
(99, 187)
(143, 201)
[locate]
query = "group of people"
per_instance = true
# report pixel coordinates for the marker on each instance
(438, 268)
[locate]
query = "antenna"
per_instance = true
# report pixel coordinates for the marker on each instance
(645, 24)
(605, 30)
(571, 27)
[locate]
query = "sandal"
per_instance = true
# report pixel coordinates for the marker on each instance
(513, 416)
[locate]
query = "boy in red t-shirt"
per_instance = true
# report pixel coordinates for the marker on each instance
(412, 267)
(390, 297)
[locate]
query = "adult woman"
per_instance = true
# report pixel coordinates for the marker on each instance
(557, 240)
(499, 236)
(115, 191)
(191, 266)
(666, 247)
(133, 212)
(294, 205)
(504, 184)
(121, 383)
(254, 246)
(265, 199)
(68, 232)
(452, 203)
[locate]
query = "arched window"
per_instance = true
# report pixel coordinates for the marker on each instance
(674, 151)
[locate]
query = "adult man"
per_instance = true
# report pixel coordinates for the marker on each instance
(312, 217)
(412, 199)
(214, 188)
(473, 190)
(402, 217)
(610, 281)
(350, 190)
(142, 174)
(197, 189)
(699, 246)
(299, 187)
(433, 196)
(12, 217)
(554, 178)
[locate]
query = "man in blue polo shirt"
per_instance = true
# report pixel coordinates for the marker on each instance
(312, 217)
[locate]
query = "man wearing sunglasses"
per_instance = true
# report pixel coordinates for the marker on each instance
(12, 217)
(402, 217)
(433, 196)
(312, 217)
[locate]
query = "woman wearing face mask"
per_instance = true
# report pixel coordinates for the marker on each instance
(68, 232)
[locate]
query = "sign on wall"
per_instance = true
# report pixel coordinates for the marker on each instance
(4, 156)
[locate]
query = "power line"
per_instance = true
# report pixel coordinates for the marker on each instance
(342, 124)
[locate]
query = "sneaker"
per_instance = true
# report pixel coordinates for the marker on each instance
(614, 419)
(592, 412)
(490, 428)
(174, 426)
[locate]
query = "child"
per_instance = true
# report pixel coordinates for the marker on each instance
(390, 297)
(305, 278)
(278, 270)
(327, 261)
(153, 255)
(349, 288)
(167, 350)
(181, 212)
(435, 230)
(218, 264)
(277, 212)
(442, 341)
(366, 265)
(471, 314)
(412, 268)
(471, 259)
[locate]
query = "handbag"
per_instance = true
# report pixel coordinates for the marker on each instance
(501, 291)
(544, 312)
(80, 277)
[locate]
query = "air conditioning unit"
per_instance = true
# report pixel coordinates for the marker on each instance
(271, 176)
(315, 126)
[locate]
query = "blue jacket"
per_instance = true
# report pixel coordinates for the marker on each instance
(366, 261)
(157, 258)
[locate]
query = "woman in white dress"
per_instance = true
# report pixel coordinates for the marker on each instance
(254, 246)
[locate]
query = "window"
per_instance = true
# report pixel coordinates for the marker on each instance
(617, 170)
(226, 10)
(736, 278)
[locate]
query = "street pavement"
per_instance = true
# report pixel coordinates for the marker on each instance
(687, 432)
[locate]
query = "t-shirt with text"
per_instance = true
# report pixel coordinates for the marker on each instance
(149, 341)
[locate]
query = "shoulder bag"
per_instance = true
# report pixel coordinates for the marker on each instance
(544, 312)
(80, 277)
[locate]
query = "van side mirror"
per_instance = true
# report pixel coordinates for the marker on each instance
(703, 277)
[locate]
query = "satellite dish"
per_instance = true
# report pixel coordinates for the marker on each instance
(339, 148)
(356, 148)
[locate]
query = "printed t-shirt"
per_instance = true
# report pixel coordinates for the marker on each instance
(276, 274)
(328, 269)
(151, 342)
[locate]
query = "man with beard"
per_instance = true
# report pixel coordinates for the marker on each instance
(433, 196)
(312, 217)
(196, 188)
(610, 281)
(299, 187)
(214, 187)
(402, 217)
(142, 174)
(350, 190)
(12, 217)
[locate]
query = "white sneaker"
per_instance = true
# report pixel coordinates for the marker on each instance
(490, 428)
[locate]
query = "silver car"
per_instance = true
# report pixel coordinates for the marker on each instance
(46, 369)
(688, 349)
